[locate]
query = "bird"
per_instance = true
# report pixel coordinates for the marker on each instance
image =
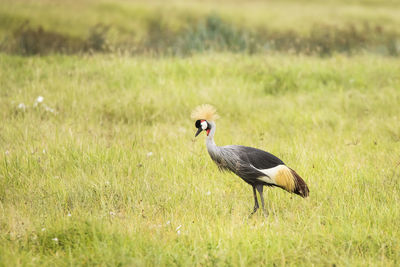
(256, 167)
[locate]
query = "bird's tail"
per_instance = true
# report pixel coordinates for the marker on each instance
(289, 180)
(300, 187)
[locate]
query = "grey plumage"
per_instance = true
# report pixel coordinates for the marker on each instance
(245, 162)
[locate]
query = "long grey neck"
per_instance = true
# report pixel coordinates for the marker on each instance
(212, 148)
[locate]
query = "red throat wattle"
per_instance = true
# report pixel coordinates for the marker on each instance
(208, 131)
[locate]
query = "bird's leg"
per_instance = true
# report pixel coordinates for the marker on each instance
(255, 201)
(260, 191)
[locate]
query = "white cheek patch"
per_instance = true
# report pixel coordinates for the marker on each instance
(204, 125)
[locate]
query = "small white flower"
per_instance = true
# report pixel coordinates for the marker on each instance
(107, 182)
(55, 239)
(112, 213)
(7, 152)
(43, 229)
(49, 109)
(168, 222)
(44, 151)
(39, 99)
(150, 154)
(22, 106)
(178, 232)
(208, 193)
(69, 215)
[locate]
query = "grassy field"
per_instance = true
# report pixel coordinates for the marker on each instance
(131, 17)
(108, 164)
(185, 27)
(99, 164)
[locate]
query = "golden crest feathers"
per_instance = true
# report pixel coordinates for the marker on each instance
(204, 112)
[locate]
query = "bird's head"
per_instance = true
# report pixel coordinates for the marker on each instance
(202, 125)
(205, 115)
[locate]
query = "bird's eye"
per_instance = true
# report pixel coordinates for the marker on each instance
(204, 125)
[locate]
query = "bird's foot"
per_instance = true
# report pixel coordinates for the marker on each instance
(254, 211)
(265, 213)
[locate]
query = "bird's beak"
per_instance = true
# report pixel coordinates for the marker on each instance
(198, 131)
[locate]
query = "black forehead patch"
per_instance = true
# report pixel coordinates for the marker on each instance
(198, 124)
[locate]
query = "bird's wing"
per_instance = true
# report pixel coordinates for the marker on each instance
(256, 157)
(256, 166)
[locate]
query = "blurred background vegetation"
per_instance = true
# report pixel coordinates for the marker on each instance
(313, 27)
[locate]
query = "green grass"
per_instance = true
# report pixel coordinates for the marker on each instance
(106, 170)
(334, 120)
(76, 17)
(185, 27)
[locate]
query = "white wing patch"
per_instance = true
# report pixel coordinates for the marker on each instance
(271, 174)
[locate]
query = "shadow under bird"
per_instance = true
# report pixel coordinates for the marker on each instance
(256, 167)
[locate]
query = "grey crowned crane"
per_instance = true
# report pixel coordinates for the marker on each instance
(254, 166)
